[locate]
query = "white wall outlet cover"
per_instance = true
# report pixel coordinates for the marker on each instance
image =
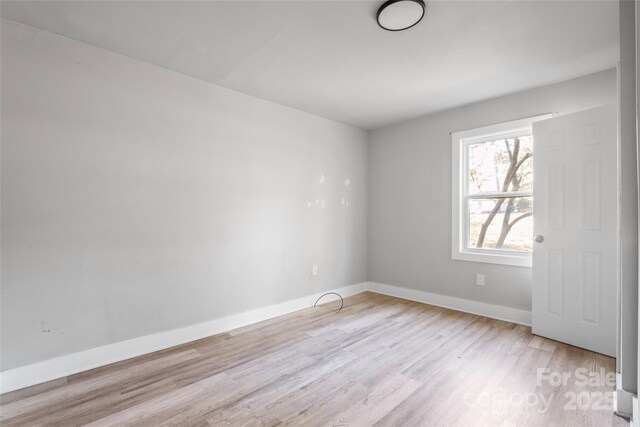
(314, 270)
(480, 279)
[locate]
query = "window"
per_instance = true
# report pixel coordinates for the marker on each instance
(493, 193)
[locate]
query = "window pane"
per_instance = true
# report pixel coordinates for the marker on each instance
(505, 223)
(491, 162)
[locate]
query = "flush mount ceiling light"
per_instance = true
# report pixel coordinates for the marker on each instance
(398, 15)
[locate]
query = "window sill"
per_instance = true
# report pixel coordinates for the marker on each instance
(494, 258)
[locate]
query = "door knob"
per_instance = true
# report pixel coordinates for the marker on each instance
(538, 238)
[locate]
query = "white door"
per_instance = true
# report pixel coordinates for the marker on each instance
(575, 226)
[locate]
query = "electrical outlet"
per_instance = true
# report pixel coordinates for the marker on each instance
(314, 270)
(479, 279)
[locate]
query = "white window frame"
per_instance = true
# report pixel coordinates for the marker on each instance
(459, 219)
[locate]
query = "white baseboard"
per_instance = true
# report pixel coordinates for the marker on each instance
(623, 400)
(493, 311)
(70, 364)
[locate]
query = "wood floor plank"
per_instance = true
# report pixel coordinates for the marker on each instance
(379, 361)
(384, 397)
(88, 391)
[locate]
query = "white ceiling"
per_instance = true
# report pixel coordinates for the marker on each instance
(330, 58)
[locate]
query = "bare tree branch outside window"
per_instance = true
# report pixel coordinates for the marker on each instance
(501, 166)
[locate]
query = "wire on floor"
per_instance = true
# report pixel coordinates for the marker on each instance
(331, 293)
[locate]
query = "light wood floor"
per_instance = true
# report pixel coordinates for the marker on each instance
(381, 360)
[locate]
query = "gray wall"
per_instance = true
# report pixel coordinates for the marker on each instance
(628, 358)
(137, 200)
(637, 30)
(410, 193)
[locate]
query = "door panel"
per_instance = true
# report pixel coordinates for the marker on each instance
(575, 210)
(555, 282)
(555, 192)
(590, 286)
